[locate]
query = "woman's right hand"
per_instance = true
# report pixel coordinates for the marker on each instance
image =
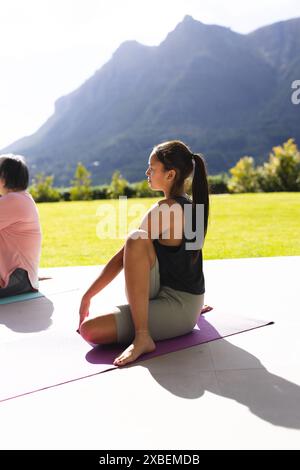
(84, 308)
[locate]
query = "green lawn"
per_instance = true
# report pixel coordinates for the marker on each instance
(240, 226)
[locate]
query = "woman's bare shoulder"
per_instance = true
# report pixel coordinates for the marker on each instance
(169, 201)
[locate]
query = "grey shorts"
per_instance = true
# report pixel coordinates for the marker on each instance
(171, 312)
(18, 284)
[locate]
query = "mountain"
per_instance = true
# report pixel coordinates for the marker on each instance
(223, 93)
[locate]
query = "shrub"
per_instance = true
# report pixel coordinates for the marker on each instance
(100, 192)
(42, 189)
(244, 177)
(282, 171)
(218, 184)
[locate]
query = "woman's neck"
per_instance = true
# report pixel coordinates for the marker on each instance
(168, 194)
(7, 191)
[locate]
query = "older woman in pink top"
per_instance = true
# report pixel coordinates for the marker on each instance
(20, 233)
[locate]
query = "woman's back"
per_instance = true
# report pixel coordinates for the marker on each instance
(179, 269)
(20, 236)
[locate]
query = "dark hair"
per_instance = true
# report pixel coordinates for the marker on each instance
(14, 171)
(177, 155)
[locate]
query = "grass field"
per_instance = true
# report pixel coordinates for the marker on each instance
(240, 226)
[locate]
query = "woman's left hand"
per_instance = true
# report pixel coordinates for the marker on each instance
(84, 309)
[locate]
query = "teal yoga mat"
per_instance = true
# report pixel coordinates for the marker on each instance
(21, 297)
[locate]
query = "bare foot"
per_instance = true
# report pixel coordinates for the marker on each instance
(142, 343)
(206, 308)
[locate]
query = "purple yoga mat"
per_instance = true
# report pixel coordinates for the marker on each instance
(59, 355)
(204, 332)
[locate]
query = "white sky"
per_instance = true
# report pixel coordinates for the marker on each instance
(50, 47)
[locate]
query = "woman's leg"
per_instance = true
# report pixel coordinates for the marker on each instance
(139, 258)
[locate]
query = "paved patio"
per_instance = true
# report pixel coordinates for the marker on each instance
(241, 392)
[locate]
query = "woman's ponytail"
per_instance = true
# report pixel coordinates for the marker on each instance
(200, 189)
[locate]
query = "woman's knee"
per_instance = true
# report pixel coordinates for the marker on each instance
(139, 239)
(137, 242)
(136, 236)
(100, 330)
(87, 330)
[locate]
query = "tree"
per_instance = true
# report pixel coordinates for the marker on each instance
(244, 177)
(42, 189)
(118, 186)
(81, 189)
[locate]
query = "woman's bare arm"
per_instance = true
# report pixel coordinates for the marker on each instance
(109, 272)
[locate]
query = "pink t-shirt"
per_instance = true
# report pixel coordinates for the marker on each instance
(20, 236)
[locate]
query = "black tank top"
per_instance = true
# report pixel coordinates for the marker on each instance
(177, 267)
